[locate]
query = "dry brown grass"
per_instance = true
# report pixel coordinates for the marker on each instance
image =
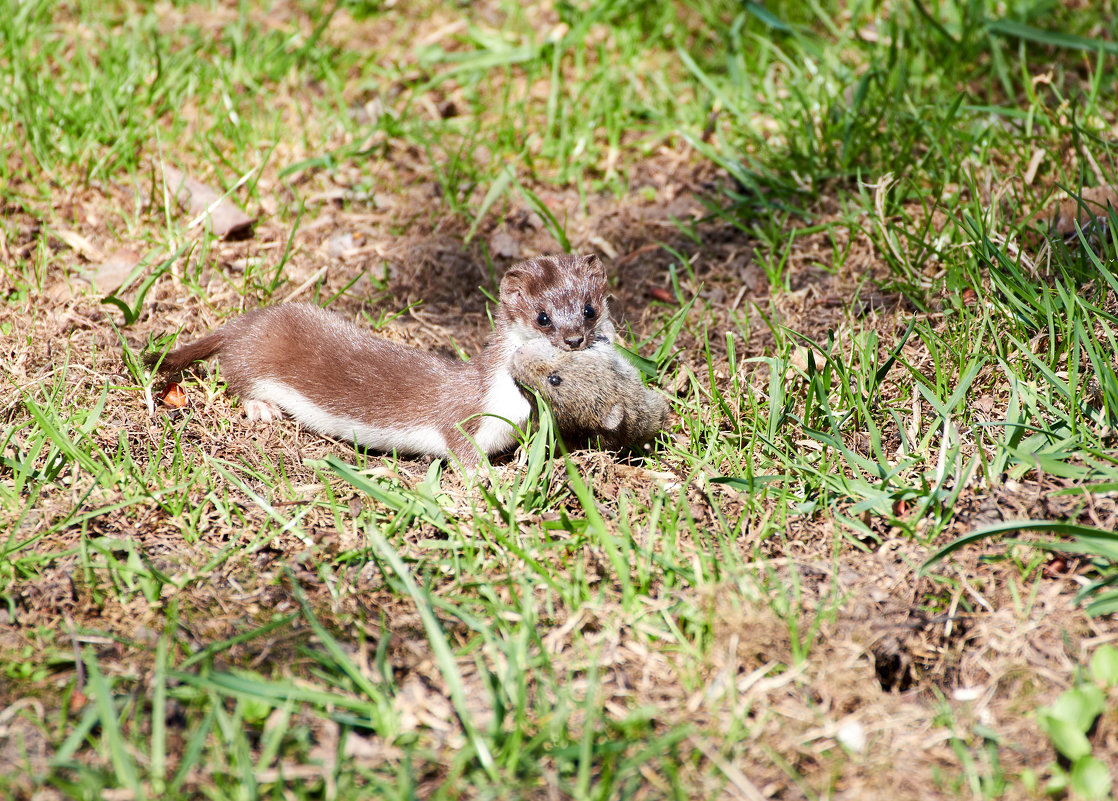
(920, 662)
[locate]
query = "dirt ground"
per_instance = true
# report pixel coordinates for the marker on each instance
(992, 649)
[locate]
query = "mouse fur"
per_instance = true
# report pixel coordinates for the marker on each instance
(594, 394)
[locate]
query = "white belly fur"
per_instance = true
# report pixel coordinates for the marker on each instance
(504, 403)
(424, 439)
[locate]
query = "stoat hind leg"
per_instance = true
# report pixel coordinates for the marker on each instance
(262, 410)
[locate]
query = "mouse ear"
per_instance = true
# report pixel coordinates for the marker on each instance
(613, 417)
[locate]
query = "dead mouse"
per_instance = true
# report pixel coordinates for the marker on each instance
(595, 394)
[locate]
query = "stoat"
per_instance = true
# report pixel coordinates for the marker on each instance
(338, 379)
(595, 394)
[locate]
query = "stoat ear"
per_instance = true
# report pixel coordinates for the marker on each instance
(593, 266)
(513, 282)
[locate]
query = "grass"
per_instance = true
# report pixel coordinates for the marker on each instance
(885, 504)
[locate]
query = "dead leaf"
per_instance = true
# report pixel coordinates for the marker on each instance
(79, 243)
(661, 294)
(755, 279)
(5, 254)
(1091, 204)
(113, 271)
(1034, 164)
(340, 245)
(226, 218)
(1056, 567)
(504, 244)
(798, 358)
(985, 404)
(608, 250)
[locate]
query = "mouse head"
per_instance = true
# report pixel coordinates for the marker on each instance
(582, 387)
(558, 298)
(594, 394)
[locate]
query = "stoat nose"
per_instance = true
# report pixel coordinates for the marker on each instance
(574, 342)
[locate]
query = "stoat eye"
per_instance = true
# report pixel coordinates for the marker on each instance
(543, 321)
(589, 312)
(555, 379)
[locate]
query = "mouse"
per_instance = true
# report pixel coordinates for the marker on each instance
(594, 393)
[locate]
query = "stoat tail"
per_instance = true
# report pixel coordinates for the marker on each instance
(180, 358)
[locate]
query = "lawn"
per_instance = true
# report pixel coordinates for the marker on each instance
(867, 250)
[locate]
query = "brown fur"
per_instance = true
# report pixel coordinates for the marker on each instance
(343, 368)
(561, 287)
(181, 358)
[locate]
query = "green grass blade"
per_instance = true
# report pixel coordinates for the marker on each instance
(1020, 30)
(333, 647)
(123, 766)
(1053, 526)
(444, 657)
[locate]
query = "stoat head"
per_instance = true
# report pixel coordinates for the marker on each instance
(559, 298)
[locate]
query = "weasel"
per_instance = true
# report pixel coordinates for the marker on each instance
(594, 393)
(338, 379)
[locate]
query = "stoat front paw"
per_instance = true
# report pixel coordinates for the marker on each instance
(261, 410)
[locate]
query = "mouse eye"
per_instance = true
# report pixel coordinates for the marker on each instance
(589, 312)
(543, 321)
(555, 379)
